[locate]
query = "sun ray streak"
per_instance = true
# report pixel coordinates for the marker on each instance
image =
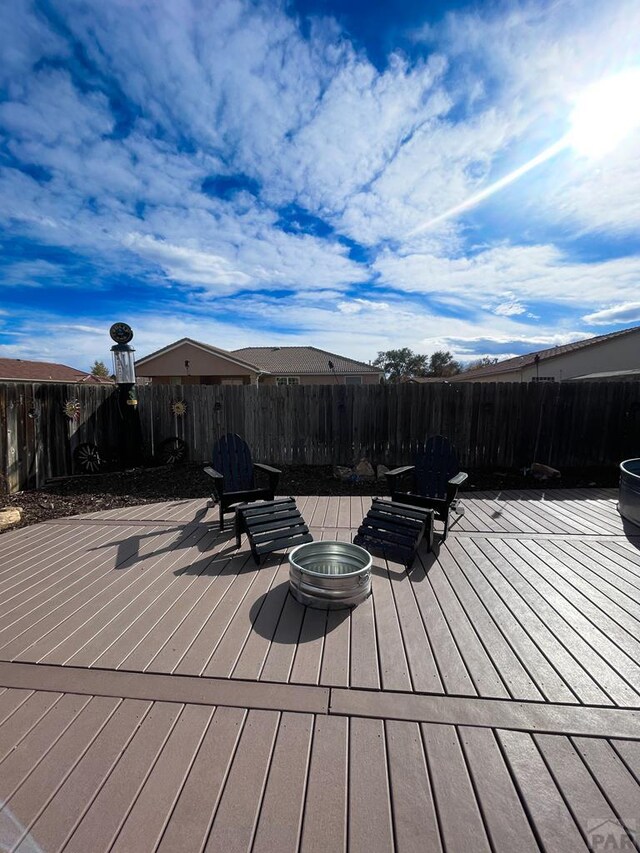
(540, 158)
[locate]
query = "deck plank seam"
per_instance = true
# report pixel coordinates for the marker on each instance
(589, 720)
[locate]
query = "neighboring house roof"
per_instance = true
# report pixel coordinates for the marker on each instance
(301, 360)
(518, 362)
(19, 370)
(221, 353)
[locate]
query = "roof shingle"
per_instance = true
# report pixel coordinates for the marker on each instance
(19, 370)
(520, 361)
(300, 360)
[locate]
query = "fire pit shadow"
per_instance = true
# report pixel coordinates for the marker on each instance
(279, 618)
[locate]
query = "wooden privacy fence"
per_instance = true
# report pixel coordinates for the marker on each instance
(502, 425)
(41, 425)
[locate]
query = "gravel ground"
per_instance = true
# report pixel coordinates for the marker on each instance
(76, 495)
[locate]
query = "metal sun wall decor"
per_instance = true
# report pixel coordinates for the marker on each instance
(71, 408)
(179, 408)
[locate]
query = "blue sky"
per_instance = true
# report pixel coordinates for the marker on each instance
(264, 173)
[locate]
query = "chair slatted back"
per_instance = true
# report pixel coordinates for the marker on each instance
(435, 466)
(232, 458)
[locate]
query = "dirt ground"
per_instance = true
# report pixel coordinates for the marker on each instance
(90, 493)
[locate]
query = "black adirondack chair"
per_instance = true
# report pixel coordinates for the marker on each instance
(233, 473)
(436, 478)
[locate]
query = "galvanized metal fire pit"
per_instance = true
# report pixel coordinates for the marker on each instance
(629, 495)
(330, 575)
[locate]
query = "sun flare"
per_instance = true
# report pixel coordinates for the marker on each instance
(605, 114)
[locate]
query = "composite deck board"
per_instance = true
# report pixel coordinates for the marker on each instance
(90, 609)
(506, 822)
(516, 679)
(41, 786)
(617, 783)
(460, 817)
(534, 614)
(554, 824)
(54, 824)
(370, 818)
(423, 669)
(190, 821)
(451, 664)
(109, 774)
(619, 625)
(615, 671)
(472, 699)
(483, 672)
(415, 819)
(324, 822)
(147, 819)
(107, 812)
(280, 823)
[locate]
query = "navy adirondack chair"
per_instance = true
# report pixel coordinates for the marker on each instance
(233, 473)
(436, 477)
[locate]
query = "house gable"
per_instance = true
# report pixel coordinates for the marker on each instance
(191, 358)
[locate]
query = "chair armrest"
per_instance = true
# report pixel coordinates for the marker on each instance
(397, 472)
(459, 478)
(266, 468)
(272, 473)
(392, 476)
(452, 485)
(213, 473)
(218, 482)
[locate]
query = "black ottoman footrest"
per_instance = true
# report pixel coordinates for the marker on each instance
(271, 526)
(396, 529)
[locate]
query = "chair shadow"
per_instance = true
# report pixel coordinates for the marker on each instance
(128, 554)
(419, 569)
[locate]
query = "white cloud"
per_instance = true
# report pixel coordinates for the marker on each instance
(510, 308)
(311, 122)
(187, 264)
(627, 312)
(539, 273)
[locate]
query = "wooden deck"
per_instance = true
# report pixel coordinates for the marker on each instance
(158, 691)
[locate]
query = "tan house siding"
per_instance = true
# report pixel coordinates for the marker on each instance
(204, 367)
(622, 353)
(325, 378)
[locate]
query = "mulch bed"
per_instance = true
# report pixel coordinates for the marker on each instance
(91, 493)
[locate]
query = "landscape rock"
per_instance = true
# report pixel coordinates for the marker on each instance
(543, 472)
(364, 470)
(341, 472)
(381, 471)
(9, 516)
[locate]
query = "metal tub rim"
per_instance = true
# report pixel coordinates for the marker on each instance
(326, 590)
(349, 547)
(627, 471)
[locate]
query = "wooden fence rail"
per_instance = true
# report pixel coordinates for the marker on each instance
(506, 425)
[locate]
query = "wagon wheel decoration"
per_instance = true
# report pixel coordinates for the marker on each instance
(87, 458)
(179, 408)
(172, 450)
(71, 408)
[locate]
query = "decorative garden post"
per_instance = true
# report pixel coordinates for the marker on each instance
(130, 439)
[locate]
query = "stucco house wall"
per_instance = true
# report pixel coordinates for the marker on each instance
(325, 378)
(203, 366)
(621, 353)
